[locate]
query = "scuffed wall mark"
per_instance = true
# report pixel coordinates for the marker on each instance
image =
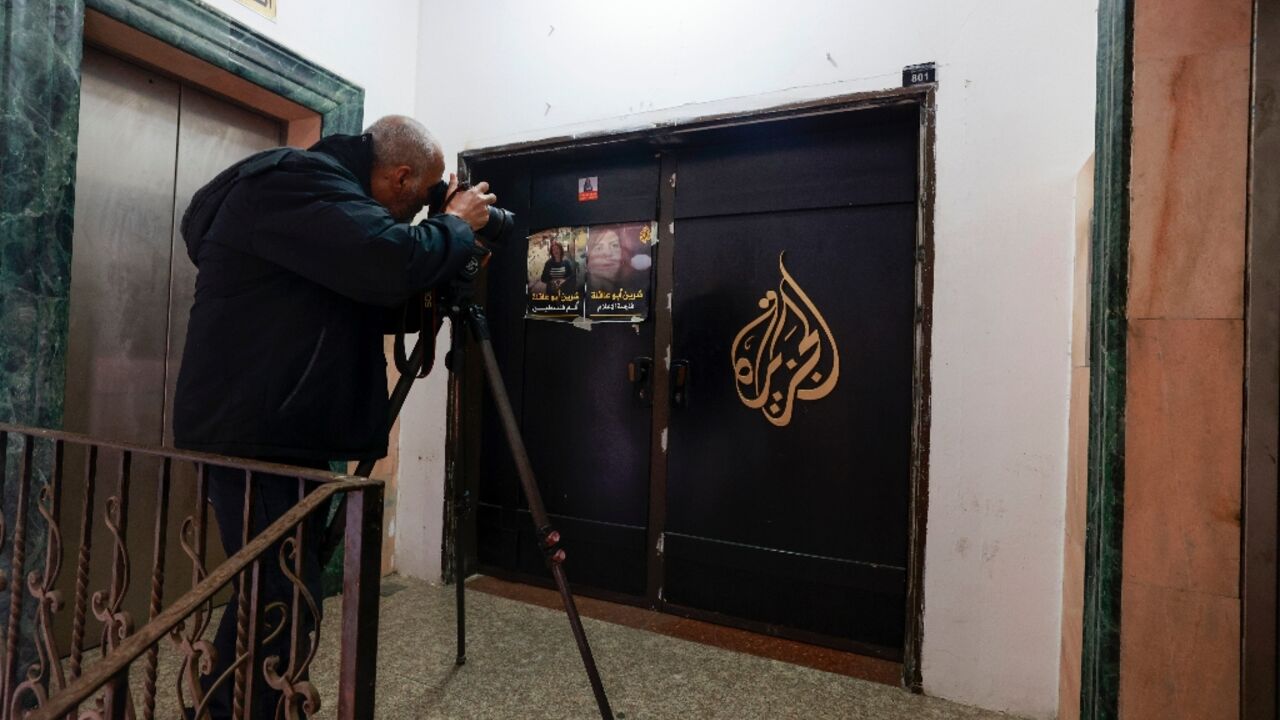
(547, 111)
(990, 549)
(552, 31)
(962, 547)
(664, 441)
(832, 61)
(970, 502)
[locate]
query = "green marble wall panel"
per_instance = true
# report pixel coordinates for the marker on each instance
(40, 50)
(1108, 331)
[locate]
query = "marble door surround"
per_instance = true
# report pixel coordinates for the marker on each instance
(41, 48)
(40, 56)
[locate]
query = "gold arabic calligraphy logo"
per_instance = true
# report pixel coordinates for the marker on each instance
(785, 354)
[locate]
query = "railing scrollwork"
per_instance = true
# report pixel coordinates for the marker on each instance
(51, 620)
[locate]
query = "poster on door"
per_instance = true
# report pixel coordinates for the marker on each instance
(619, 260)
(554, 285)
(602, 273)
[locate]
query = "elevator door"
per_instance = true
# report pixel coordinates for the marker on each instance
(146, 144)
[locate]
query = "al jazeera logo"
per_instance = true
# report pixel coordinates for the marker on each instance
(786, 354)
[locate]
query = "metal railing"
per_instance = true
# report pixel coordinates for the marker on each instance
(49, 669)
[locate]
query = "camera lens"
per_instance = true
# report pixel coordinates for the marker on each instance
(500, 223)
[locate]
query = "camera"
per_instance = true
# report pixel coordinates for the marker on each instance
(500, 220)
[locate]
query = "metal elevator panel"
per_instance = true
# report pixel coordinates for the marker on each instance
(212, 134)
(120, 251)
(146, 144)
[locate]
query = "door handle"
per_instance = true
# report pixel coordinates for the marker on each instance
(680, 383)
(640, 373)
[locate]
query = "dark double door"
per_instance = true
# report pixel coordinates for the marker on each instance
(769, 485)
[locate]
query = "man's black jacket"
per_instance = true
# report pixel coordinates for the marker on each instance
(298, 266)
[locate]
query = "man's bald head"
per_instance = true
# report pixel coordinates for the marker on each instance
(407, 161)
(401, 140)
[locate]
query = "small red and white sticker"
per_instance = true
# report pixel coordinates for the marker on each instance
(588, 188)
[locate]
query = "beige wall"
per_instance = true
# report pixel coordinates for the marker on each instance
(1077, 461)
(1180, 616)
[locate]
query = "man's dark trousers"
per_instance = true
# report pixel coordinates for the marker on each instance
(273, 496)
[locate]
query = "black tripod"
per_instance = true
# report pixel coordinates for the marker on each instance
(463, 312)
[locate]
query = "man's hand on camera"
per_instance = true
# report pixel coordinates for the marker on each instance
(472, 205)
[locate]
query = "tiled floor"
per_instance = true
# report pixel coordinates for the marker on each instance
(796, 653)
(521, 663)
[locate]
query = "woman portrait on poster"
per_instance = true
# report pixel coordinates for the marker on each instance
(558, 272)
(604, 260)
(618, 257)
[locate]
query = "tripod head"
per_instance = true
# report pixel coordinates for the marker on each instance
(460, 292)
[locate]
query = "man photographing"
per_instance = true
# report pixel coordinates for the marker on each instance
(301, 257)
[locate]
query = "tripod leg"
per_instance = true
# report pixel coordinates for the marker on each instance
(453, 433)
(460, 589)
(549, 537)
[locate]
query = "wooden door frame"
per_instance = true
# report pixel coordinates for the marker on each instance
(1258, 691)
(465, 453)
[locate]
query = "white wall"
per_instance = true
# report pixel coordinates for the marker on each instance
(372, 43)
(420, 482)
(1014, 125)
